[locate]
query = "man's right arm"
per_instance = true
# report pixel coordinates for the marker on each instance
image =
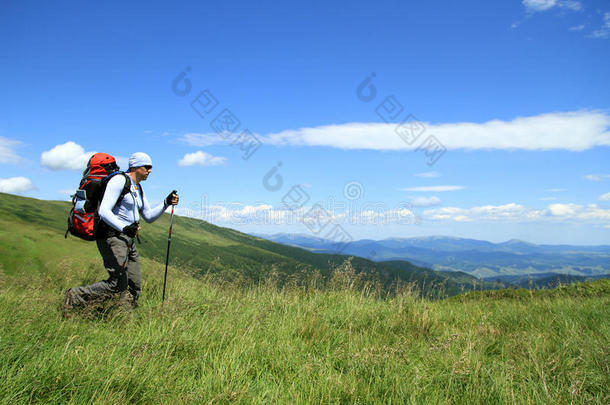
(111, 196)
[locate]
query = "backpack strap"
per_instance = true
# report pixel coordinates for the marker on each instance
(101, 228)
(126, 189)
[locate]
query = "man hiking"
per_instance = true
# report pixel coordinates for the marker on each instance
(118, 228)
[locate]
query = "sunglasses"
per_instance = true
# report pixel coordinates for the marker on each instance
(147, 167)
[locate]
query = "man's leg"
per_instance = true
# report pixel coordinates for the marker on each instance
(114, 251)
(134, 283)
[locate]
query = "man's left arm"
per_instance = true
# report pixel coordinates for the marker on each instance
(151, 214)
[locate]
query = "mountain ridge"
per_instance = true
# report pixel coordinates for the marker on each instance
(429, 238)
(480, 258)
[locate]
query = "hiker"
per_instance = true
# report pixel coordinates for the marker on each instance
(116, 233)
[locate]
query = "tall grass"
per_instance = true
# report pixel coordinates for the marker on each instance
(218, 341)
(302, 338)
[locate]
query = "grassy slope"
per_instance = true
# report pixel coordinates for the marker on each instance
(205, 247)
(220, 343)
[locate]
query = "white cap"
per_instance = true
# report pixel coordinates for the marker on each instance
(139, 159)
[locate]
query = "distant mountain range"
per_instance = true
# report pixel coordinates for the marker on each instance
(479, 258)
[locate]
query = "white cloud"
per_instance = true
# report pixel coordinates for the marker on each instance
(15, 185)
(604, 31)
(427, 175)
(548, 198)
(425, 201)
(590, 212)
(202, 159)
(434, 188)
(264, 214)
(67, 156)
(532, 6)
(571, 4)
(237, 213)
(448, 214)
(597, 177)
(539, 5)
(562, 209)
(498, 212)
(7, 154)
(604, 197)
(517, 213)
(556, 190)
(573, 131)
(381, 214)
(232, 213)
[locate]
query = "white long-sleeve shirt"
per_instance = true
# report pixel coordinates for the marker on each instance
(133, 204)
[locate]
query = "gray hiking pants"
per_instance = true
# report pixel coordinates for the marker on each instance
(121, 261)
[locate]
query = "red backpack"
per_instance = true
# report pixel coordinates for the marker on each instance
(83, 220)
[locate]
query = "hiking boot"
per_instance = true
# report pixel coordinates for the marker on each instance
(68, 305)
(128, 300)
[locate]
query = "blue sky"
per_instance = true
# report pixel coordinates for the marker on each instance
(481, 119)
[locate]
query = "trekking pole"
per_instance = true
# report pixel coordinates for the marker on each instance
(169, 241)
